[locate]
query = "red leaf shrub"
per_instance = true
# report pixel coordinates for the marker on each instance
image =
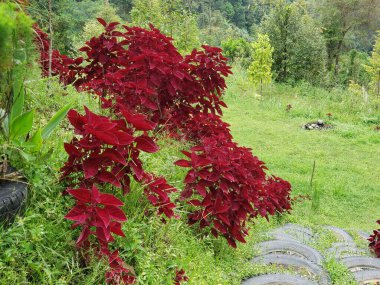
(374, 241)
(61, 64)
(227, 185)
(145, 84)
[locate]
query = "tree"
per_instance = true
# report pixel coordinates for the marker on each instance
(299, 47)
(238, 50)
(260, 70)
(93, 27)
(374, 68)
(339, 18)
(172, 17)
(68, 19)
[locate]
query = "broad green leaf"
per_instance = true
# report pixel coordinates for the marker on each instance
(21, 125)
(54, 121)
(18, 101)
(36, 141)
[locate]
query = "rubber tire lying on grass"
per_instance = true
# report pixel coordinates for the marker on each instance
(13, 195)
(271, 279)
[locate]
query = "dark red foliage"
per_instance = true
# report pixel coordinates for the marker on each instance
(180, 277)
(146, 85)
(106, 152)
(142, 70)
(374, 241)
(227, 185)
(61, 64)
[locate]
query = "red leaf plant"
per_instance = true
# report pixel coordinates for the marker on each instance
(106, 152)
(145, 85)
(61, 64)
(180, 277)
(227, 185)
(374, 241)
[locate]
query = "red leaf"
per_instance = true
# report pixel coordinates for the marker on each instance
(109, 200)
(182, 163)
(146, 144)
(115, 227)
(116, 213)
(104, 216)
(78, 213)
(114, 155)
(124, 138)
(90, 167)
(84, 235)
(139, 121)
(101, 21)
(72, 150)
(81, 194)
(108, 177)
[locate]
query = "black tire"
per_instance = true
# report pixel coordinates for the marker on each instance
(361, 262)
(284, 246)
(366, 276)
(13, 196)
(273, 279)
(296, 262)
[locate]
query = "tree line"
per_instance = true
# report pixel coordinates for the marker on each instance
(325, 42)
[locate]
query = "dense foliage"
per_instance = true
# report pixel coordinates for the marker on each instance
(299, 47)
(145, 83)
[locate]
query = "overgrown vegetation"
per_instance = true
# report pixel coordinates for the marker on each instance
(316, 60)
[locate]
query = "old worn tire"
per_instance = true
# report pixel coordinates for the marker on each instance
(362, 262)
(341, 234)
(283, 246)
(13, 196)
(366, 276)
(273, 279)
(296, 262)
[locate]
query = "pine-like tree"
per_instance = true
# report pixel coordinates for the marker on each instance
(260, 70)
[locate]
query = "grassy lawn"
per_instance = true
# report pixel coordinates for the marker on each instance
(346, 184)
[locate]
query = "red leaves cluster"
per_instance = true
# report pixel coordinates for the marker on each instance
(374, 241)
(227, 185)
(61, 64)
(145, 84)
(180, 277)
(106, 151)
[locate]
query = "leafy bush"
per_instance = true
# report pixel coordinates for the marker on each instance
(238, 50)
(143, 83)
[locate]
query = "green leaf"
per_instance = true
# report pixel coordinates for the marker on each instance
(18, 100)
(36, 141)
(54, 122)
(21, 125)
(26, 156)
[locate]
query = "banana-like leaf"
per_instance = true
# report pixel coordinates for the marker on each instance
(18, 101)
(55, 120)
(21, 125)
